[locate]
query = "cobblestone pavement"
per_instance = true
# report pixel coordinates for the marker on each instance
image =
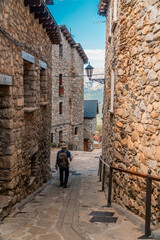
(63, 214)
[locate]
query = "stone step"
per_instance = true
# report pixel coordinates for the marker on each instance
(4, 201)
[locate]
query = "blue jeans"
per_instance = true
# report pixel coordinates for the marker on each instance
(62, 170)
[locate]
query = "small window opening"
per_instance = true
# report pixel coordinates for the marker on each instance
(61, 88)
(70, 103)
(29, 85)
(34, 164)
(60, 50)
(43, 85)
(60, 108)
(76, 131)
(60, 79)
(60, 136)
(51, 137)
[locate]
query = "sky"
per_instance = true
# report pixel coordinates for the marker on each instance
(87, 27)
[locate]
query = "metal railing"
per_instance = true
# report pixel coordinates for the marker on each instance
(148, 177)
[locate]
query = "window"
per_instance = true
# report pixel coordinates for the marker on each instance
(60, 50)
(60, 107)
(61, 88)
(43, 85)
(29, 85)
(76, 131)
(70, 103)
(51, 137)
(60, 79)
(112, 91)
(34, 164)
(60, 136)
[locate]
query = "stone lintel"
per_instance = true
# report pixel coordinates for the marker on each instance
(28, 57)
(6, 80)
(42, 64)
(34, 150)
(44, 103)
(4, 201)
(30, 109)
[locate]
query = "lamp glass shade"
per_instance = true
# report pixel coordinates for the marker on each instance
(89, 71)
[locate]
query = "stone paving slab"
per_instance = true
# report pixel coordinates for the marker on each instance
(63, 214)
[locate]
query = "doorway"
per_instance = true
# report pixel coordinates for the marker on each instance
(86, 145)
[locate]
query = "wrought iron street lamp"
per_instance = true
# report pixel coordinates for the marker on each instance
(89, 72)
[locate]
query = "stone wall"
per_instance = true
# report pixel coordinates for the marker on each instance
(25, 105)
(89, 130)
(131, 134)
(70, 65)
(78, 100)
(62, 64)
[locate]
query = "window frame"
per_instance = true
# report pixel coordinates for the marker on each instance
(60, 107)
(76, 131)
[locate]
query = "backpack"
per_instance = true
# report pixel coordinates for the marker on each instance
(62, 159)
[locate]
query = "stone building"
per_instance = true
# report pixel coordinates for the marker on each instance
(131, 132)
(90, 123)
(68, 91)
(27, 32)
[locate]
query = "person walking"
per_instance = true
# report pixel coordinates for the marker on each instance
(62, 161)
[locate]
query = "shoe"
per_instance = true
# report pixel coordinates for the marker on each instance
(61, 185)
(64, 186)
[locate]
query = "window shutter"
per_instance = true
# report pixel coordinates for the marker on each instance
(112, 92)
(115, 10)
(110, 21)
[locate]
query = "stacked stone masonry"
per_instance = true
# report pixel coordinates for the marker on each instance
(67, 65)
(89, 131)
(25, 104)
(131, 134)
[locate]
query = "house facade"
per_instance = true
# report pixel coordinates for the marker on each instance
(90, 123)
(68, 92)
(27, 32)
(131, 114)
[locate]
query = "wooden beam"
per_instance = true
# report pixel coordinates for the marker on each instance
(49, 2)
(47, 23)
(42, 15)
(33, 3)
(36, 9)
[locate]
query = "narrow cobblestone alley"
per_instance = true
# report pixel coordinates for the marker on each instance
(63, 214)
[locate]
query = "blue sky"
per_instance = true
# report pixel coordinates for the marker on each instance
(81, 16)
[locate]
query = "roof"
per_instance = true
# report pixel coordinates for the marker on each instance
(71, 41)
(102, 7)
(90, 108)
(67, 35)
(41, 12)
(49, 2)
(81, 53)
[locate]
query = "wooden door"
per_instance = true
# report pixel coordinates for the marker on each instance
(86, 145)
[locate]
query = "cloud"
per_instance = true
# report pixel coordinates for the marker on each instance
(96, 57)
